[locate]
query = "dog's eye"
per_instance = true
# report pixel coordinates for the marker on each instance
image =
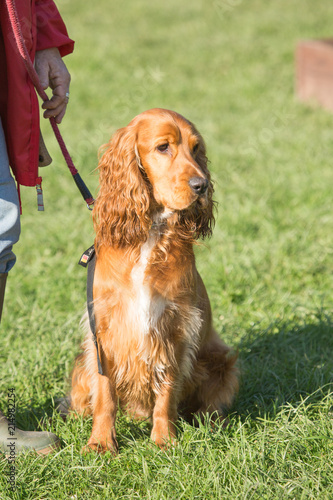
(195, 148)
(163, 147)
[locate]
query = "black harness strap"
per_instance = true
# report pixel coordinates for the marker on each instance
(88, 259)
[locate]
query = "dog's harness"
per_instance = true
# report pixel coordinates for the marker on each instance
(88, 259)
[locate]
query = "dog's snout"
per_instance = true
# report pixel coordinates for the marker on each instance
(198, 185)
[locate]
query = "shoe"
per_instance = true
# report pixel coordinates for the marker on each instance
(13, 442)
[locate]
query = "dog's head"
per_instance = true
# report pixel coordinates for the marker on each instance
(155, 165)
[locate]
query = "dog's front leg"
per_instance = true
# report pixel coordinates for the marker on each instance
(165, 416)
(104, 402)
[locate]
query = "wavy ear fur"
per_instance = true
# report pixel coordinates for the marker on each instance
(121, 210)
(199, 220)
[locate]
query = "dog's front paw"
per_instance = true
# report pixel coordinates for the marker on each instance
(102, 444)
(163, 434)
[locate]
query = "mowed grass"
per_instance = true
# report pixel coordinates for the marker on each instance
(229, 67)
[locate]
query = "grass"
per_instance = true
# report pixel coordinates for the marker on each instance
(229, 67)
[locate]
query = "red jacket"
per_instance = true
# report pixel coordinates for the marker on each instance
(42, 28)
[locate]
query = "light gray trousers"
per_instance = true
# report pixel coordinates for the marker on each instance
(9, 210)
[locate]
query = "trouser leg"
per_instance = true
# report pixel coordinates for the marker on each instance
(9, 210)
(9, 218)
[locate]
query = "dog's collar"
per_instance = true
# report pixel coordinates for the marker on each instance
(158, 226)
(160, 219)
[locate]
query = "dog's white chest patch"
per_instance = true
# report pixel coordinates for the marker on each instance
(145, 308)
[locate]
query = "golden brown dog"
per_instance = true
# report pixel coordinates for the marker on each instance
(159, 351)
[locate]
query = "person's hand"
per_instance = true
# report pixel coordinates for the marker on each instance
(53, 73)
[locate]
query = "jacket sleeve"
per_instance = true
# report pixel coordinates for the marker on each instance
(51, 30)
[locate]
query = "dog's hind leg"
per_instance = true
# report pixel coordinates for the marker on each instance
(81, 387)
(214, 384)
(80, 397)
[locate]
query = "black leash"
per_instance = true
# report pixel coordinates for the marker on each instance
(88, 259)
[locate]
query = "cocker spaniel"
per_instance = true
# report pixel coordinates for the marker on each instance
(158, 349)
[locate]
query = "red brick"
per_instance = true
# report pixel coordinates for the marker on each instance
(314, 72)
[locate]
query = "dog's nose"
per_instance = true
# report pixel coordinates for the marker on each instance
(198, 185)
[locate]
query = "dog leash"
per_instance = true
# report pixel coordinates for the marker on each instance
(88, 259)
(19, 40)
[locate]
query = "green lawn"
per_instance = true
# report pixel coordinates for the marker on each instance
(228, 66)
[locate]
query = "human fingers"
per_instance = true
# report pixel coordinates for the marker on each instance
(56, 106)
(53, 72)
(58, 113)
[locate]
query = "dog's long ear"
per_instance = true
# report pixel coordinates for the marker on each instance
(206, 219)
(121, 210)
(200, 220)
